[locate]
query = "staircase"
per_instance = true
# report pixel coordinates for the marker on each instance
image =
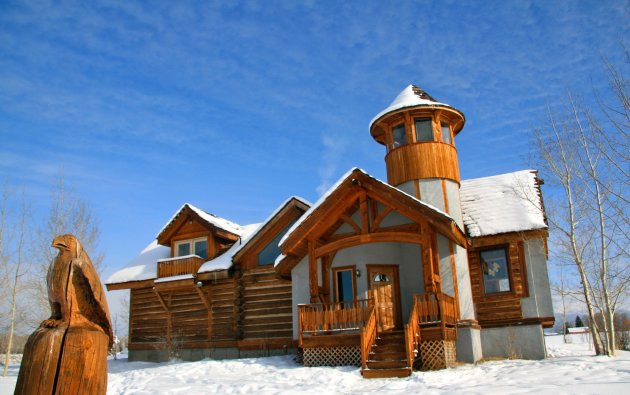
(388, 357)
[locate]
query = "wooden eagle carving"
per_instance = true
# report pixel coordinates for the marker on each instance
(67, 354)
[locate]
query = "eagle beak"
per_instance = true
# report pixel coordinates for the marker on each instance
(59, 244)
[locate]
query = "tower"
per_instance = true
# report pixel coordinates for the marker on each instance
(419, 134)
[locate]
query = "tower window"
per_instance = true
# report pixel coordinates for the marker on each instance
(446, 133)
(424, 129)
(399, 135)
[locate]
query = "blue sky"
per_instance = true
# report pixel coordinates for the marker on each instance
(234, 106)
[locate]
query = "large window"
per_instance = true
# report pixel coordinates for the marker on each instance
(271, 251)
(197, 247)
(424, 129)
(399, 135)
(494, 266)
(345, 290)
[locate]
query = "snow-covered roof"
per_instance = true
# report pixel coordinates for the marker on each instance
(333, 188)
(224, 261)
(142, 267)
(219, 222)
(411, 96)
(500, 204)
(174, 278)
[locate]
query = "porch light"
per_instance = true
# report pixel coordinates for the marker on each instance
(358, 272)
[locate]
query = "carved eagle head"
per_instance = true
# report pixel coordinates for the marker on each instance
(68, 245)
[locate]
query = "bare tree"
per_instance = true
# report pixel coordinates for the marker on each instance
(583, 156)
(16, 266)
(68, 215)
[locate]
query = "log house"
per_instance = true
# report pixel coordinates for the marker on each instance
(422, 270)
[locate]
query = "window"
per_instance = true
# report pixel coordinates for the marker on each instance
(494, 267)
(446, 133)
(271, 251)
(399, 135)
(424, 129)
(197, 247)
(344, 284)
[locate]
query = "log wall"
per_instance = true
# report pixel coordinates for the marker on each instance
(504, 307)
(266, 305)
(147, 317)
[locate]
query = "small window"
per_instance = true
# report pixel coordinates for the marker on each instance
(197, 247)
(446, 133)
(399, 135)
(183, 249)
(494, 266)
(201, 248)
(424, 129)
(344, 284)
(380, 278)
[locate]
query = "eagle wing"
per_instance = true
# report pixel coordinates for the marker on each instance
(83, 267)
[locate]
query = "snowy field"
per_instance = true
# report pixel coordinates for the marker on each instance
(570, 369)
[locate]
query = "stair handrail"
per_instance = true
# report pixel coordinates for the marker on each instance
(412, 332)
(369, 334)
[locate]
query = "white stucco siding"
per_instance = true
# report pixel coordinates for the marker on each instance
(431, 192)
(446, 270)
(454, 204)
(408, 187)
(299, 290)
(406, 256)
(538, 304)
(464, 289)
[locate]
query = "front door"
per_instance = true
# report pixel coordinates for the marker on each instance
(384, 288)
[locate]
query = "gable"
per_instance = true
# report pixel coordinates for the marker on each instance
(359, 204)
(191, 221)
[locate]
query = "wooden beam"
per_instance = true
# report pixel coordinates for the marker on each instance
(363, 209)
(312, 272)
(381, 237)
(202, 296)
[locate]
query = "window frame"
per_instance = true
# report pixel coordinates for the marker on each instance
(191, 243)
(404, 127)
(508, 267)
(352, 269)
(444, 124)
(415, 129)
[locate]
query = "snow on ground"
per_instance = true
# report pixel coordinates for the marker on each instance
(570, 369)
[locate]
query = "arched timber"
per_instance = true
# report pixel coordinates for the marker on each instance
(381, 237)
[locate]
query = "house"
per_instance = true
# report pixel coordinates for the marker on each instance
(422, 270)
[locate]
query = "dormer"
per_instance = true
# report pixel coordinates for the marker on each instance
(194, 237)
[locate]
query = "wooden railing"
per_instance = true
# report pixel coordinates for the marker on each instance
(435, 309)
(178, 266)
(412, 333)
(369, 333)
(331, 317)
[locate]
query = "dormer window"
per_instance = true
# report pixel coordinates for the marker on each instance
(424, 129)
(197, 247)
(446, 133)
(399, 136)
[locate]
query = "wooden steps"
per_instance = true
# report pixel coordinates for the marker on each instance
(388, 357)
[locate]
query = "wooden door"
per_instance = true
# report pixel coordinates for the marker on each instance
(384, 288)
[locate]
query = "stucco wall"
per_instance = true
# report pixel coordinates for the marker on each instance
(446, 270)
(431, 192)
(406, 256)
(525, 341)
(454, 205)
(466, 306)
(299, 290)
(538, 304)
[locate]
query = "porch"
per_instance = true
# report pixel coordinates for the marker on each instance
(357, 332)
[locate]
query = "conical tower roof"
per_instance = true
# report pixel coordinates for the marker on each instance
(411, 96)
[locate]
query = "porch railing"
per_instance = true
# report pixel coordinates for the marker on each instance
(369, 334)
(412, 333)
(178, 266)
(435, 309)
(332, 317)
